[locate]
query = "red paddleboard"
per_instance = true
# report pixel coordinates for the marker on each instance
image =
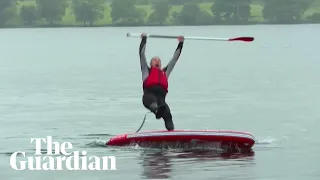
(242, 139)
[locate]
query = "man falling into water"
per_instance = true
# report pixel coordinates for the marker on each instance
(155, 82)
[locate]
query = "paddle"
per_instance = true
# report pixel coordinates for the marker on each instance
(243, 39)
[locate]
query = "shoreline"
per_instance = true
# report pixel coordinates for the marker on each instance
(143, 25)
(26, 14)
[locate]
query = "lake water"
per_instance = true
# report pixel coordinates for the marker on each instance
(83, 85)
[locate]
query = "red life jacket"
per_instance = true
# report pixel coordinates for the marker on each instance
(156, 77)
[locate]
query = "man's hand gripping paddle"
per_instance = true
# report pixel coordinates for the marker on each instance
(242, 39)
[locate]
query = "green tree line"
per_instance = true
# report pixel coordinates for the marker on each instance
(156, 12)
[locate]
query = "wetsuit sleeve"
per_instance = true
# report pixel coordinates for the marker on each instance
(174, 59)
(143, 59)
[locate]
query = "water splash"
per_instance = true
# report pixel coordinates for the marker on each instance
(97, 143)
(266, 141)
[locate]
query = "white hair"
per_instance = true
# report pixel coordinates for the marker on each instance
(155, 57)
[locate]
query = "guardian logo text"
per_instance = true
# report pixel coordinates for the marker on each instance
(59, 157)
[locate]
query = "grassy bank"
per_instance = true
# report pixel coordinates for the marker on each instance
(69, 18)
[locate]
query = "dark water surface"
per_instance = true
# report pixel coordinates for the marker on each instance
(84, 86)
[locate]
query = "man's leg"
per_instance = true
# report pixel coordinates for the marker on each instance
(150, 102)
(167, 117)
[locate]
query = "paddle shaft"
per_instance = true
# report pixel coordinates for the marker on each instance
(245, 39)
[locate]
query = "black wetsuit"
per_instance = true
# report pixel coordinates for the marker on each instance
(154, 97)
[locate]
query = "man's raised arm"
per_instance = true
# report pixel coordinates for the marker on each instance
(175, 57)
(143, 59)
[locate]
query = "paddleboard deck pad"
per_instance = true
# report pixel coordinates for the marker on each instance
(185, 139)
